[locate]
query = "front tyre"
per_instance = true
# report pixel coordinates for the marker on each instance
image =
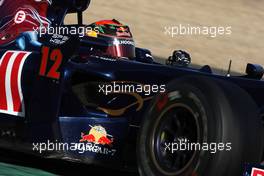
(202, 127)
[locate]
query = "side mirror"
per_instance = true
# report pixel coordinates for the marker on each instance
(80, 5)
(179, 58)
(72, 6)
(254, 71)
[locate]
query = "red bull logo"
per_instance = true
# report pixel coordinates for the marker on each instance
(121, 29)
(123, 32)
(97, 135)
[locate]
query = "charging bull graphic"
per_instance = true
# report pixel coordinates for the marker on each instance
(97, 135)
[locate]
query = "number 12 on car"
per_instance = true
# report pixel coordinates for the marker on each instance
(54, 55)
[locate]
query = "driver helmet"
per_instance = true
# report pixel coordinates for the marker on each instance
(113, 38)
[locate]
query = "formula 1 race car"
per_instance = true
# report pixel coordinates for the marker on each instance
(86, 93)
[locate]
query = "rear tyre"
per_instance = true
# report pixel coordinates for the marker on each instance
(214, 122)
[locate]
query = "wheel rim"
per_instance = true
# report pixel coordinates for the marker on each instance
(177, 122)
